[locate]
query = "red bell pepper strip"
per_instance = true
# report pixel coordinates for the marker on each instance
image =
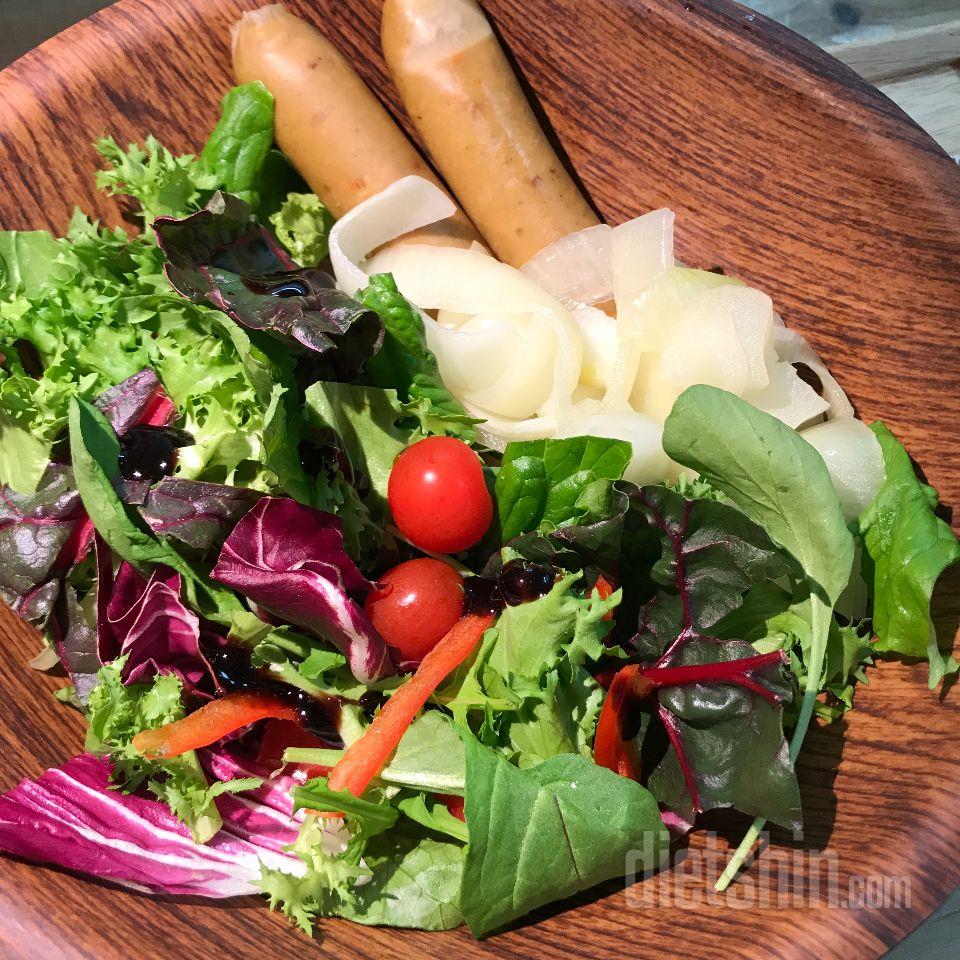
(366, 757)
(453, 804)
(610, 750)
(212, 722)
(604, 589)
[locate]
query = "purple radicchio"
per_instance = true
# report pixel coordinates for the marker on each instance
(146, 621)
(221, 257)
(289, 559)
(74, 818)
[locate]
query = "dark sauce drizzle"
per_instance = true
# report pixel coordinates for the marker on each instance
(150, 453)
(232, 670)
(520, 581)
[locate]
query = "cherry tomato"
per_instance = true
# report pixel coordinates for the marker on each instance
(414, 606)
(438, 497)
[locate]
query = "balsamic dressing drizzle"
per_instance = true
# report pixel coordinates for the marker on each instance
(232, 670)
(150, 453)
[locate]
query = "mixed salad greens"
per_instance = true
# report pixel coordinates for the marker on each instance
(227, 480)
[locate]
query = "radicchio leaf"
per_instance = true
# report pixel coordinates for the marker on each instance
(221, 257)
(146, 622)
(195, 514)
(718, 702)
(74, 817)
(289, 559)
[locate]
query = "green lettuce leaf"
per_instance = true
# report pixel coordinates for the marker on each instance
(543, 834)
(365, 421)
(909, 547)
(116, 713)
(541, 481)
(432, 814)
(302, 225)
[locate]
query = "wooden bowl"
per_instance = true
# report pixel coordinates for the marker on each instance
(783, 167)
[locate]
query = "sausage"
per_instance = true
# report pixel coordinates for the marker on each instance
(478, 127)
(328, 122)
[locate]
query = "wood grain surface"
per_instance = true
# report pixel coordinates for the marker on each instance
(785, 168)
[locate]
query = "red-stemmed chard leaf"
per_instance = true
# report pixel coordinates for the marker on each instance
(137, 401)
(42, 535)
(45, 534)
(146, 621)
(197, 515)
(74, 817)
(706, 713)
(220, 256)
(289, 559)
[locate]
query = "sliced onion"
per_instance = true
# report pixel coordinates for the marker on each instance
(468, 282)
(791, 347)
(576, 269)
(853, 456)
(722, 338)
(404, 206)
(598, 333)
(788, 398)
(642, 250)
(470, 358)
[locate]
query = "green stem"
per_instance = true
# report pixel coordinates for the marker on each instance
(315, 757)
(819, 630)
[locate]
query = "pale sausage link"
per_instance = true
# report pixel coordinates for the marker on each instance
(478, 127)
(328, 122)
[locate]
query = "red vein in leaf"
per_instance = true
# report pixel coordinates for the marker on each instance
(672, 726)
(737, 672)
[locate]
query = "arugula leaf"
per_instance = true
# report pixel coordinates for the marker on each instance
(432, 814)
(238, 146)
(406, 364)
(367, 816)
(302, 225)
(116, 713)
(541, 481)
(909, 547)
(545, 833)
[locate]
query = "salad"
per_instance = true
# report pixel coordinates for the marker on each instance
(416, 550)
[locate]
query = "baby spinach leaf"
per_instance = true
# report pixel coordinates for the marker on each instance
(238, 146)
(910, 547)
(432, 814)
(540, 481)
(545, 833)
